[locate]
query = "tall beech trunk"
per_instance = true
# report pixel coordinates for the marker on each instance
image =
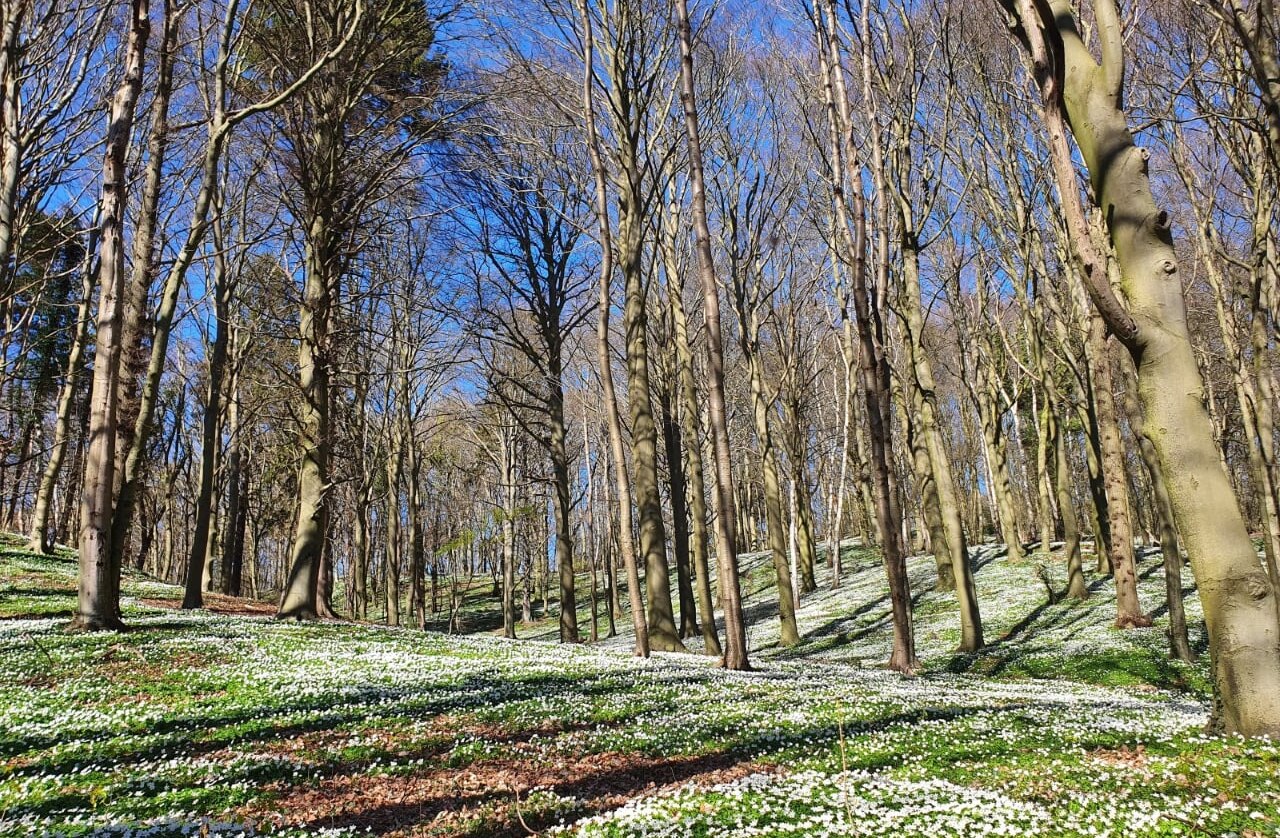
(776, 532)
(1076, 586)
(299, 599)
(507, 462)
(802, 506)
(237, 482)
(688, 409)
(603, 355)
(1238, 599)
(996, 444)
(137, 289)
(735, 653)
(873, 364)
(848, 355)
(98, 597)
(1179, 646)
(413, 502)
(949, 505)
(663, 634)
(362, 551)
(928, 490)
(210, 439)
(562, 503)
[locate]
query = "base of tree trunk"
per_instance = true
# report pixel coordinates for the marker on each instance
(83, 624)
(905, 667)
(1079, 595)
(301, 614)
(1128, 621)
(662, 641)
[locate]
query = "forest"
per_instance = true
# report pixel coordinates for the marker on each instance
(639, 417)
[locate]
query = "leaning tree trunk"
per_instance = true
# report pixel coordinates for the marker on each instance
(1238, 600)
(1179, 646)
(40, 537)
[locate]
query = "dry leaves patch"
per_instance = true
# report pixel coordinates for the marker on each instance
(1125, 757)
(485, 797)
(219, 604)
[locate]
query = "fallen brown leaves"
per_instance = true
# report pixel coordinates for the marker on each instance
(1127, 757)
(220, 604)
(485, 798)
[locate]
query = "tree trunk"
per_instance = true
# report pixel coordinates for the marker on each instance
(40, 538)
(1179, 646)
(1238, 599)
(679, 516)
(929, 506)
(210, 439)
(562, 503)
(692, 466)
(237, 484)
(1076, 586)
(1123, 563)
(872, 362)
(663, 635)
(993, 439)
(735, 655)
(776, 532)
(603, 355)
(299, 598)
(98, 600)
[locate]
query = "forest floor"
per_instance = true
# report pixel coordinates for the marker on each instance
(227, 722)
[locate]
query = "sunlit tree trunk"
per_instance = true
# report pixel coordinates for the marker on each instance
(98, 599)
(1238, 600)
(872, 361)
(604, 357)
(735, 653)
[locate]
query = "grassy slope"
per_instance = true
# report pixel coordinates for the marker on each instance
(1026, 636)
(233, 721)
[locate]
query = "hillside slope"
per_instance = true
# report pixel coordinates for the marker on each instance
(1026, 635)
(231, 723)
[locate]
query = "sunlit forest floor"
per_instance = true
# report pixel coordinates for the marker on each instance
(230, 723)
